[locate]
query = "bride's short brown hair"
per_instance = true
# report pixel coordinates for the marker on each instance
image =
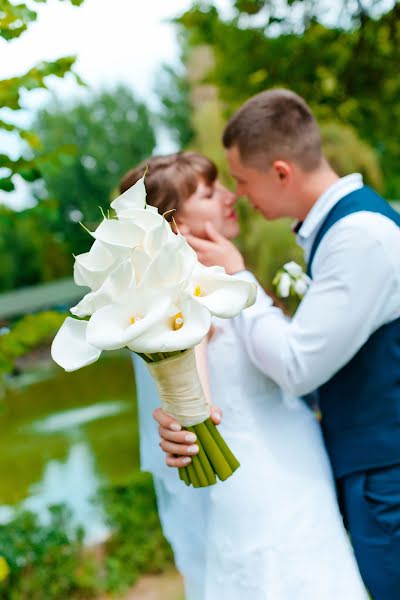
(171, 179)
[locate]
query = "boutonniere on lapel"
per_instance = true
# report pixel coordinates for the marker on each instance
(291, 280)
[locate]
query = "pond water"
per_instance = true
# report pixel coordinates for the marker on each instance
(65, 434)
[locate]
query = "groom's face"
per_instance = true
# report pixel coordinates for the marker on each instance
(267, 190)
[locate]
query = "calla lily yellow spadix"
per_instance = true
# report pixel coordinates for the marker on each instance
(149, 293)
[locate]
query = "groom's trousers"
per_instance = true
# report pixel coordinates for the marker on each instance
(371, 508)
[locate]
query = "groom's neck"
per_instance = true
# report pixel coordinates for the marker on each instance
(314, 184)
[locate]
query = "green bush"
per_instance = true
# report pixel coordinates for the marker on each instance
(51, 562)
(45, 561)
(27, 334)
(137, 544)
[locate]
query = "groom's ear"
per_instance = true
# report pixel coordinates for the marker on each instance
(282, 170)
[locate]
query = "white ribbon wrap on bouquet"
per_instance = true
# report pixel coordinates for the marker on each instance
(180, 389)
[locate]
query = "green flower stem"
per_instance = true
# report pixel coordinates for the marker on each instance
(192, 475)
(223, 446)
(183, 474)
(214, 454)
(205, 463)
(203, 481)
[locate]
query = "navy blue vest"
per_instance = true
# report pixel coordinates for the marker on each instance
(360, 405)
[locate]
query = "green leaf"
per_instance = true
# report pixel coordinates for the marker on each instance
(6, 184)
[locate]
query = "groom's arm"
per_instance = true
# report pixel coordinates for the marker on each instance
(353, 293)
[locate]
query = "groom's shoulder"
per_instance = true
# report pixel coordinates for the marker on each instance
(366, 225)
(363, 234)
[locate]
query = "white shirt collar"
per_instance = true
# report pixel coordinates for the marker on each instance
(341, 188)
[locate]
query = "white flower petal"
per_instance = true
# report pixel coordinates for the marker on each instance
(111, 327)
(140, 260)
(293, 268)
(158, 237)
(123, 233)
(300, 287)
(91, 268)
(304, 277)
(146, 219)
(70, 348)
(113, 288)
(223, 295)
(284, 285)
(302, 284)
(133, 198)
(172, 266)
(162, 337)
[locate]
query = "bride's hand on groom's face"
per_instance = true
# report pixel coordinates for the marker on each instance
(178, 444)
(216, 250)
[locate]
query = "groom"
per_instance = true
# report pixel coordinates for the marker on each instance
(345, 337)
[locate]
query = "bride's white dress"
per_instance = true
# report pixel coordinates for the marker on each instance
(273, 530)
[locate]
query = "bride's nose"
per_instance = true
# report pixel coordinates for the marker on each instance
(229, 198)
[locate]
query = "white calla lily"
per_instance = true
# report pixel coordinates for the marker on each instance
(183, 327)
(284, 285)
(158, 236)
(293, 269)
(223, 295)
(70, 348)
(140, 261)
(114, 286)
(172, 266)
(123, 234)
(91, 268)
(144, 218)
(117, 325)
(132, 199)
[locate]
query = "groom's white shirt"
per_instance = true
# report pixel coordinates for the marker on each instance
(355, 290)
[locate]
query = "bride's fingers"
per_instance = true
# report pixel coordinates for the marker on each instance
(216, 415)
(165, 420)
(180, 449)
(181, 437)
(173, 461)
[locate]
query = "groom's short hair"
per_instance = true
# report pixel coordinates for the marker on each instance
(275, 125)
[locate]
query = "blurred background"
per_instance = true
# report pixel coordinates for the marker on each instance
(87, 89)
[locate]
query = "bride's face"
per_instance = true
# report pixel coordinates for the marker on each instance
(213, 203)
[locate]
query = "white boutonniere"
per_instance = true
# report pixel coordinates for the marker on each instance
(291, 280)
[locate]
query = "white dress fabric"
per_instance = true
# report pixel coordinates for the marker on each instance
(273, 530)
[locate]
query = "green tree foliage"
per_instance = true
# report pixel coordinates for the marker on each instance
(25, 237)
(175, 93)
(348, 73)
(30, 252)
(103, 136)
(348, 153)
(14, 20)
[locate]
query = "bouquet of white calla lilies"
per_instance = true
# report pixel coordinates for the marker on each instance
(149, 293)
(291, 281)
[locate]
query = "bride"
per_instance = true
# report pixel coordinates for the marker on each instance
(272, 531)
